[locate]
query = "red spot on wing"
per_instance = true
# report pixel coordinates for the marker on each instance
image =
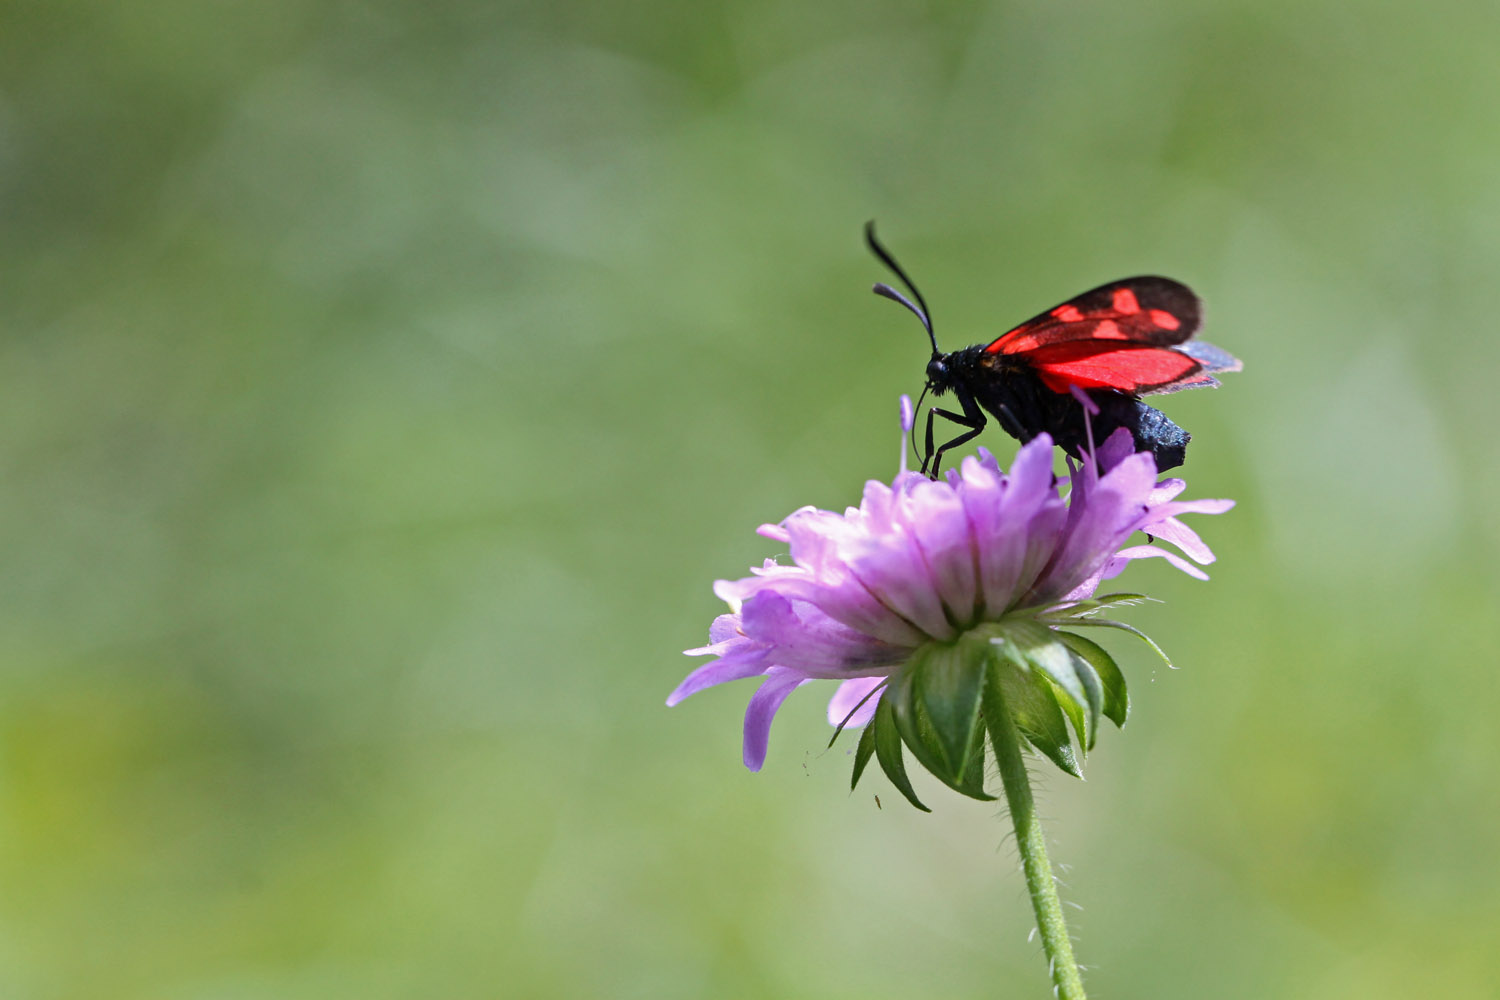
(1164, 319)
(1124, 302)
(1010, 343)
(1031, 337)
(1148, 311)
(1092, 365)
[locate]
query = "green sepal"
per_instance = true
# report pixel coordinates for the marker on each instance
(1123, 627)
(862, 753)
(973, 783)
(903, 699)
(1093, 690)
(1079, 691)
(887, 739)
(1116, 698)
(1032, 700)
(1092, 605)
(874, 693)
(944, 682)
(948, 684)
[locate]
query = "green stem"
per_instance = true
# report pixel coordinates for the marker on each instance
(1006, 740)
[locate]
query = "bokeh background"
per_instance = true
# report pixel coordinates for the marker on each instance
(383, 385)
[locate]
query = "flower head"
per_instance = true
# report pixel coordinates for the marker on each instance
(984, 563)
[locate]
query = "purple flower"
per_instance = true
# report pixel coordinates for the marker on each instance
(923, 562)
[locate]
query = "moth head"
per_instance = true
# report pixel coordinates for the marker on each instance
(939, 374)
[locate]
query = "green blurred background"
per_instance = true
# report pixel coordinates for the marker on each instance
(383, 385)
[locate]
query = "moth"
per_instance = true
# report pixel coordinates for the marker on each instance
(1076, 372)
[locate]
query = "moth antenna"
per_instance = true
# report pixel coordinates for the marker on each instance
(924, 314)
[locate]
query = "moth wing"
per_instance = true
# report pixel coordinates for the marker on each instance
(1146, 310)
(1212, 359)
(1132, 368)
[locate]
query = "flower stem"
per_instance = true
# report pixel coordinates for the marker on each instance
(1006, 740)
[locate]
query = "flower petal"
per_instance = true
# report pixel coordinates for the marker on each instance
(894, 572)
(775, 532)
(721, 671)
(799, 635)
(1116, 448)
(1185, 538)
(841, 597)
(1191, 507)
(779, 683)
(1148, 551)
(1015, 519)
(724, 628)
(1097, 523)
(934, 515)
(1165, 490)
(849, 695)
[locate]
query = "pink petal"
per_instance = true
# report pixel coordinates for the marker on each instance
(1192, 507)
(1096, 524)
(850, 694)
(1016, 520)
(891, 567)
(799, 635)
(1116, 448)
(779, 683)
(1149, 551)
(1166, 490)
(722, 671)
(724, 628)
(934, 515)
(1185, 538)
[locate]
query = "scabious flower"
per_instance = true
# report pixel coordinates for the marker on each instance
(935, 603)
(949, 611)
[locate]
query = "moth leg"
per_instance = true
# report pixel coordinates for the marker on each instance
(972, 418)
(957, 418)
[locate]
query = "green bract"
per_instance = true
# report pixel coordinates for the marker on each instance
(1053, 683)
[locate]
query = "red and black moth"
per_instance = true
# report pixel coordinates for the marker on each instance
(1076, 368)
